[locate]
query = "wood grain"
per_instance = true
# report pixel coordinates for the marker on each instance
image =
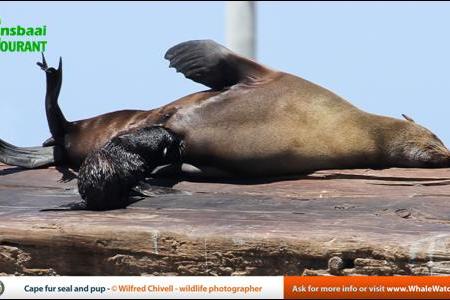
(368, 222)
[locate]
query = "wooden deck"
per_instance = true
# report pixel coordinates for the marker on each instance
(351, 222)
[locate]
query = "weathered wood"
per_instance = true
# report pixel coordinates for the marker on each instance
(368, 222)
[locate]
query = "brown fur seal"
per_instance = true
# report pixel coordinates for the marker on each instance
(253, 121)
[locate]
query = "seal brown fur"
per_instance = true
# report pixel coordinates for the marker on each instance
(254, 121)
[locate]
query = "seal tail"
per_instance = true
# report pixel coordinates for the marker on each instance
(27, 157)
(57, 123)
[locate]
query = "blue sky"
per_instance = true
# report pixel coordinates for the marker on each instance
(386, 58)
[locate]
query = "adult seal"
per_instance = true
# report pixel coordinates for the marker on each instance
(253, 121)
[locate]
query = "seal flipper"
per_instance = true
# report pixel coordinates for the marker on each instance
(211, 64)
(30, 157)
(50, 154)
(49, 142)
(107, 175)
(55, 118)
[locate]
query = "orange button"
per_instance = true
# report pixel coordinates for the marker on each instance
(362, 287)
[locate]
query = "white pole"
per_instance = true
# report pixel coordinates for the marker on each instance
(241, 27)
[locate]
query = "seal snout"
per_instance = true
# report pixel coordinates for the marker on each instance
(439, 157)
(448, 158)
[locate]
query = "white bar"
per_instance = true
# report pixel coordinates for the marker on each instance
(241, 27)
(145, 287)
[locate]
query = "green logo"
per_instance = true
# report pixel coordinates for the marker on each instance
(22, 39)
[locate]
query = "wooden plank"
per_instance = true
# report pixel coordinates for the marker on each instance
(373, 222)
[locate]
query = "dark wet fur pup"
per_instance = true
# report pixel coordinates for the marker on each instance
(107, 174)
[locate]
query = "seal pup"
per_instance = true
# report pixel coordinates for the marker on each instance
(253, 121)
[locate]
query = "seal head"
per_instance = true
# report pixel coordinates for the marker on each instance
(412, 145)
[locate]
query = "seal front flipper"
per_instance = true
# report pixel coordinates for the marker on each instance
(107, 175)
(146, 189)
(56, 121)
(211, 64)
(50, 153)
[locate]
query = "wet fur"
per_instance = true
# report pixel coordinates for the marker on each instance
(108, 173)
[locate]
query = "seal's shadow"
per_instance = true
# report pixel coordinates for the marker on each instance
(11, 170)
(67, 174)
(374, 177)
(170, 182)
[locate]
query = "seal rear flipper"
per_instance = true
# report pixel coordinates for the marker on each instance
(108, 174)
(29, 157)
(211, 64)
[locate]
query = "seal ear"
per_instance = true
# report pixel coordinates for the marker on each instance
(408, 118)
